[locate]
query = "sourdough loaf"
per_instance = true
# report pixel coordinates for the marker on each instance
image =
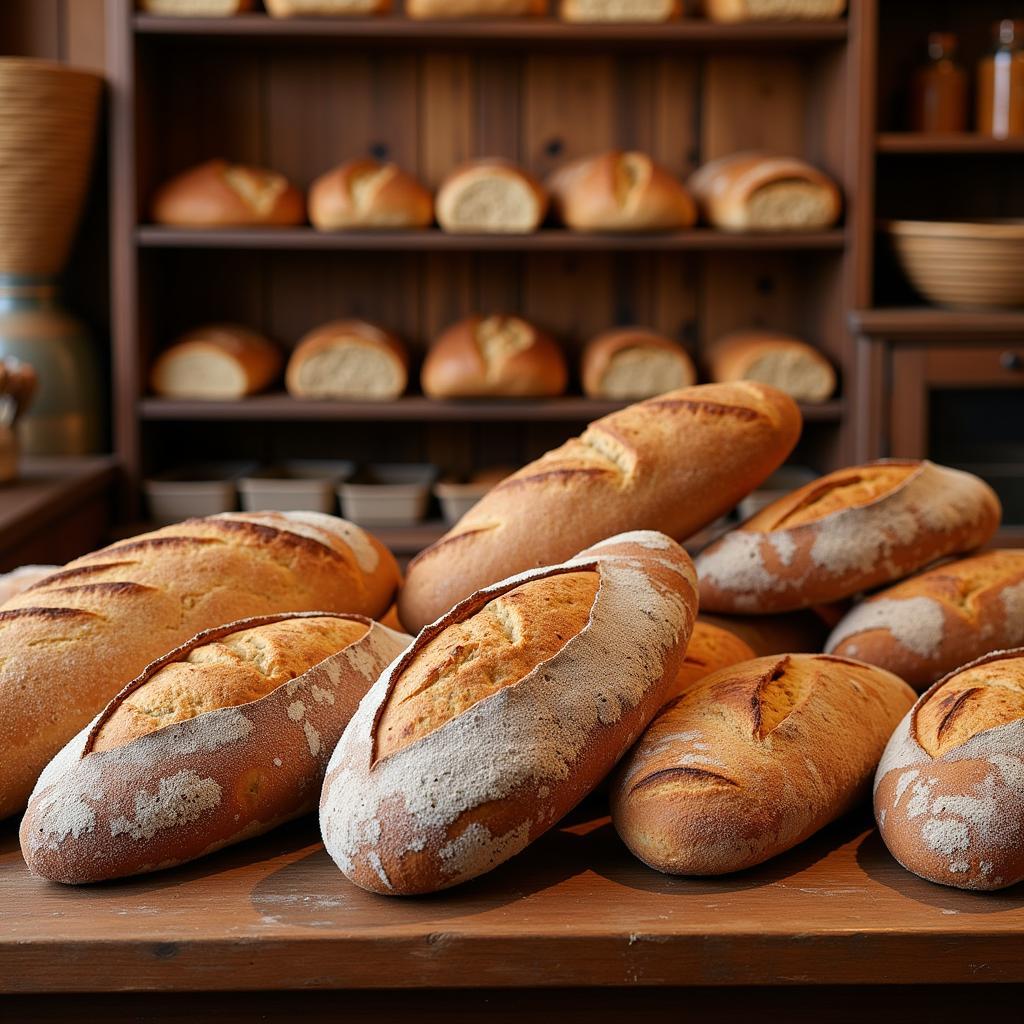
(490, 197)
(846, 532)
(773, 10)
(366, 194)
(504, 714)
(77, 637)
(773, 358)
(711, 648)
(673, 463)
(949, 792)
(620, 10)
(631, 363)
(753, 760)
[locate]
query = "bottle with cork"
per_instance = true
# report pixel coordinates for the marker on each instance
(939, 89)
(1001, 83)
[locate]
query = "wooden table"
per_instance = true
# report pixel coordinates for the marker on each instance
(574, 927)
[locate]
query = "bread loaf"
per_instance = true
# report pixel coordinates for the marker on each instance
(474, 8)
(220, 740)
(501, 356)
(348, 359)
(753, 760)
(366, 194)
(216, 361)
(76, 638)
(620, 10)
(773, 358)
(756, 191)
(711, 648)
(504, 714)
(217, 194)
(25, 576)
(195, 8)
(773, 10)
(490, 197)
(619, 191)
(849, 531)
(631, 363)
(800, 632)
(925, 627)
(949, 793)
(300, 8)
(673, 463)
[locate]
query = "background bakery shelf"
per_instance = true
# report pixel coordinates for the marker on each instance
(965, 143)
(930, 322)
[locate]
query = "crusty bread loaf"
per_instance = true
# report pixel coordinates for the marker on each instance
(490, 197)
(755, 191)
(217, 194)
(348, 359)
(14, 582)
(753, 760)
(799, 632)
(630, 363)
(494, 356)
(300, 8)
(474, 8)
(926, 626)
(366, 194)
(76, 638)
(773, 10)
(774, 358)
(620, 10)
(673, 463)
(846, 532)
(619, 191)
(504, 714)
(195, 8)
(949, 792)
(216, 361)
(220, 740)
(711, 648)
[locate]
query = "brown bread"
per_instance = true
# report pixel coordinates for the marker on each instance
(631, 363)
(368, 195)
(711, 648)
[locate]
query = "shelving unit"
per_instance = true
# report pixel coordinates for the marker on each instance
(911, 143)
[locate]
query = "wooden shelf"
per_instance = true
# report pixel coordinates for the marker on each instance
(962, 143)
(550, 240)
(931, 323)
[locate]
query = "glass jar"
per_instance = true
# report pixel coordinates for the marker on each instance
(939, 89)
(1001, 83)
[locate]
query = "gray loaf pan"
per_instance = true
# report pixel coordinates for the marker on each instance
(394, 494)
(302, 485)
(203, 489)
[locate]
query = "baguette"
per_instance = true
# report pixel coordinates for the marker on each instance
(426, 9)
(504, 714)
(366, 194)
(632, 363)
(619, 10)
(753, 760)
(949, 793)
(849, 531)
(490, 197)
(673, 463)
(77, 637)
(773, 10)
(222, 739)
(773, 358)
(711, 648)
(925, 627)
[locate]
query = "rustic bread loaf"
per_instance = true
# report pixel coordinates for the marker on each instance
(348, 359)
(773, 10)
(14, 582)
(220, 740)
(753, 760)
(195, 8)
(618, 191)
(711, 648)
(631, 363)
(216, 361)
(217, 194)
(494, 356)
(300, 8)
(926, 626)
(504, 714)
(76, 638)
(773, 358)
(673, 463)
(620, 10)
(949, 792)
(365, 195)
(490, 197)
(846, 532)
(474, 8)
(755, 191)
(800, 632)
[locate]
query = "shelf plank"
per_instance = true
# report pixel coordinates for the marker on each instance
(928, 322)
(550, 240)
(965, 143)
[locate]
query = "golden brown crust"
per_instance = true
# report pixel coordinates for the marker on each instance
(773, 358)
(299, 8)
(367, 194)
(768, 10)
(474, 8)
(614, 362)
(711, 649)
(490, 196)
(589, 11)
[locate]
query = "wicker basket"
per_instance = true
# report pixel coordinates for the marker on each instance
(46, 140)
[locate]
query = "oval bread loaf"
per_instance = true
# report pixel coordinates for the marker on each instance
(773, 358)
(949, 792)
(753, 760)
(474, 8)
(490, 197)
(504, 714)
(846, 532)
(222, 739)
(631, 363)
(773, 10)
(366, 194)
(77, 637)
(711, 648)
(619, 10)
(300, 8)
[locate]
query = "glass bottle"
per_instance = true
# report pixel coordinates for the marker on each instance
(1001, 83)
(939, 89)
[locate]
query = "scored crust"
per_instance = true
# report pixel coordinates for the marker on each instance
(369, 194)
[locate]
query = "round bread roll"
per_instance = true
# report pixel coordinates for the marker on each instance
(491, 197)
(849, 531)
(619, 10)
(474, 8)
(195, 8)
(618, 191)
(494, 356)
(366, 194)
(302, 8)
(216, 361)
(631, 363)
(773, 10)
(348, 359)
(774, 358)
(711, 648)
(949, 792)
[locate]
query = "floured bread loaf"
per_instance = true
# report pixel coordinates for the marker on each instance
(711, 648)
(619, 10)
(846, 532)
(299, 8)
(220, 740)
(926, 626)
(773, 358)
(366, 194)
(491, 197)
(773, 10)
(494, 356)
(504, 714)
(348, 359)
(76, 638)
(196, 8)
(753, 760)
(632, 363)
(474, 8)
(949, 792)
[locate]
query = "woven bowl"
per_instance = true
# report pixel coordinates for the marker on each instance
(46, 141)
(966, 265)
